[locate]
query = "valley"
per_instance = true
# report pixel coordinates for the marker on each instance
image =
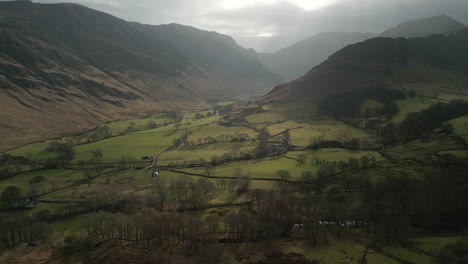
(112, 165)
(124, 142)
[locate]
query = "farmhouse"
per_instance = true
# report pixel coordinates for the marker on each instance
(22, 203)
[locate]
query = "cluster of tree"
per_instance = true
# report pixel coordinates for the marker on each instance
(11, 170)
(238, 137)
(397, 203)
(352, 163)
(102, 132)
(236, 154)
(93, 167)
(348, 105)
(170, 230)
(173, 116)
(267, 147)
(65, 153)
(34, 185)
(58, 147)
(10, 194)
(126, 162)
(208, 114)
(417, 124)
(224, 109)
(192, 193)
(22, 229)
(278, 257)
(391, 208)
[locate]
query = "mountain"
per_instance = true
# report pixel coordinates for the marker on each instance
(380, 62)
(294, 61)
(424, 27)
(65, 67)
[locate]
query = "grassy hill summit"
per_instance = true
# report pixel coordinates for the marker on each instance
(423, 27)
(58, 59)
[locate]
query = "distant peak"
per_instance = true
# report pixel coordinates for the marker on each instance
(440, 24)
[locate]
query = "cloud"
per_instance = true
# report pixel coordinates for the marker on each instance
(248, 20)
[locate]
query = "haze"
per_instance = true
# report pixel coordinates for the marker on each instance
(268, 25)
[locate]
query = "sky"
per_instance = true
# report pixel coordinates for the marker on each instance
(268, 25)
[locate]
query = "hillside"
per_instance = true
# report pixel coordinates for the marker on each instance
(424, 27)
(379, 62)
(65, 67)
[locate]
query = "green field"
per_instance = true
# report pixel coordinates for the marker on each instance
(204, 140)
(206, 151)
(304, 131)
(283, 111)
(136, 145)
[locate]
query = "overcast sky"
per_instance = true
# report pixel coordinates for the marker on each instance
(255, 23)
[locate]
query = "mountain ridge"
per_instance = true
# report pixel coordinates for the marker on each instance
(379, 62)
(294, 61)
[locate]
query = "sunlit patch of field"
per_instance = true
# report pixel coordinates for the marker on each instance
(214, 130)
(56, 178)
(136, 145)
(433, 244)
(283, 111)
(337, 155)
(374, 257)
(36, 151)
(409, 256)
(140, 123)
(304, 131)
(205, 151)
(225, 103)
(460, 127)
(259, 168)
(339, 251)
(411, 105)
(459, 153)
(268, 167)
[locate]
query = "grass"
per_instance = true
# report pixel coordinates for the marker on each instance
(268, 167)
(72, 226)
(434, 243)
(214, 130)
(205, 151)
(141, 123)
(459, 153)
(53, 178)
(374, 257)
(299, 115)
(409, 256)
(336, 154)
(446, 90)
(225, 103)
(411, 105)
(339, 251)
(460, 126)
(304, 131)
(36, 151)
(136, 145)
(283, 111)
